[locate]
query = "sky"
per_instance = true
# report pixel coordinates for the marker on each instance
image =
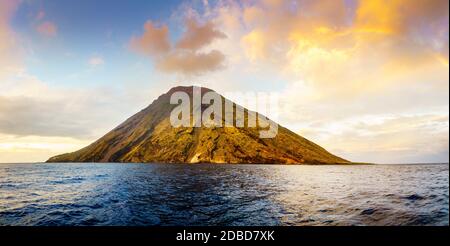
(366, 79)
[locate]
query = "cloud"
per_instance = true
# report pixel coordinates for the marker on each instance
(47, 28)
(399, 17)
(337, 26)
(15, 149)
(189, 62)
(186, 56)
(337, 63)
(197, 36)
(38, 120)
(29, 107)
(96, 61)
(394, 139)
(29, 116)
(8, 8)
(9, 58)
(342, 48)
(154, 41)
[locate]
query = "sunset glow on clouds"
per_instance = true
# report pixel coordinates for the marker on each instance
(47, 28)
(185, 56)
(368, 79)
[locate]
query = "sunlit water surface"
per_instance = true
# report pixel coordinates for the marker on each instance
(166, 194)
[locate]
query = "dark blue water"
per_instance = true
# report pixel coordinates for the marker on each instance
(165, 194)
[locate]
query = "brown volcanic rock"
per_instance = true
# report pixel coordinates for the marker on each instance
(149, 137)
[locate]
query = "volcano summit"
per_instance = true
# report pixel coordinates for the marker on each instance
(149, 136)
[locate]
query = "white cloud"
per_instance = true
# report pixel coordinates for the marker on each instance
(96, 61)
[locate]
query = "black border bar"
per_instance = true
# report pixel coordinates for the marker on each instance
(357, 235)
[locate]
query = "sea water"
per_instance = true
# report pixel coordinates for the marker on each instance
(73, 194)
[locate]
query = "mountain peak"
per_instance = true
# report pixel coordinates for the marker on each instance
(187, 89)
(148, 136)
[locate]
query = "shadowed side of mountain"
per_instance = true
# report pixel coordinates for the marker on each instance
(148, 136)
